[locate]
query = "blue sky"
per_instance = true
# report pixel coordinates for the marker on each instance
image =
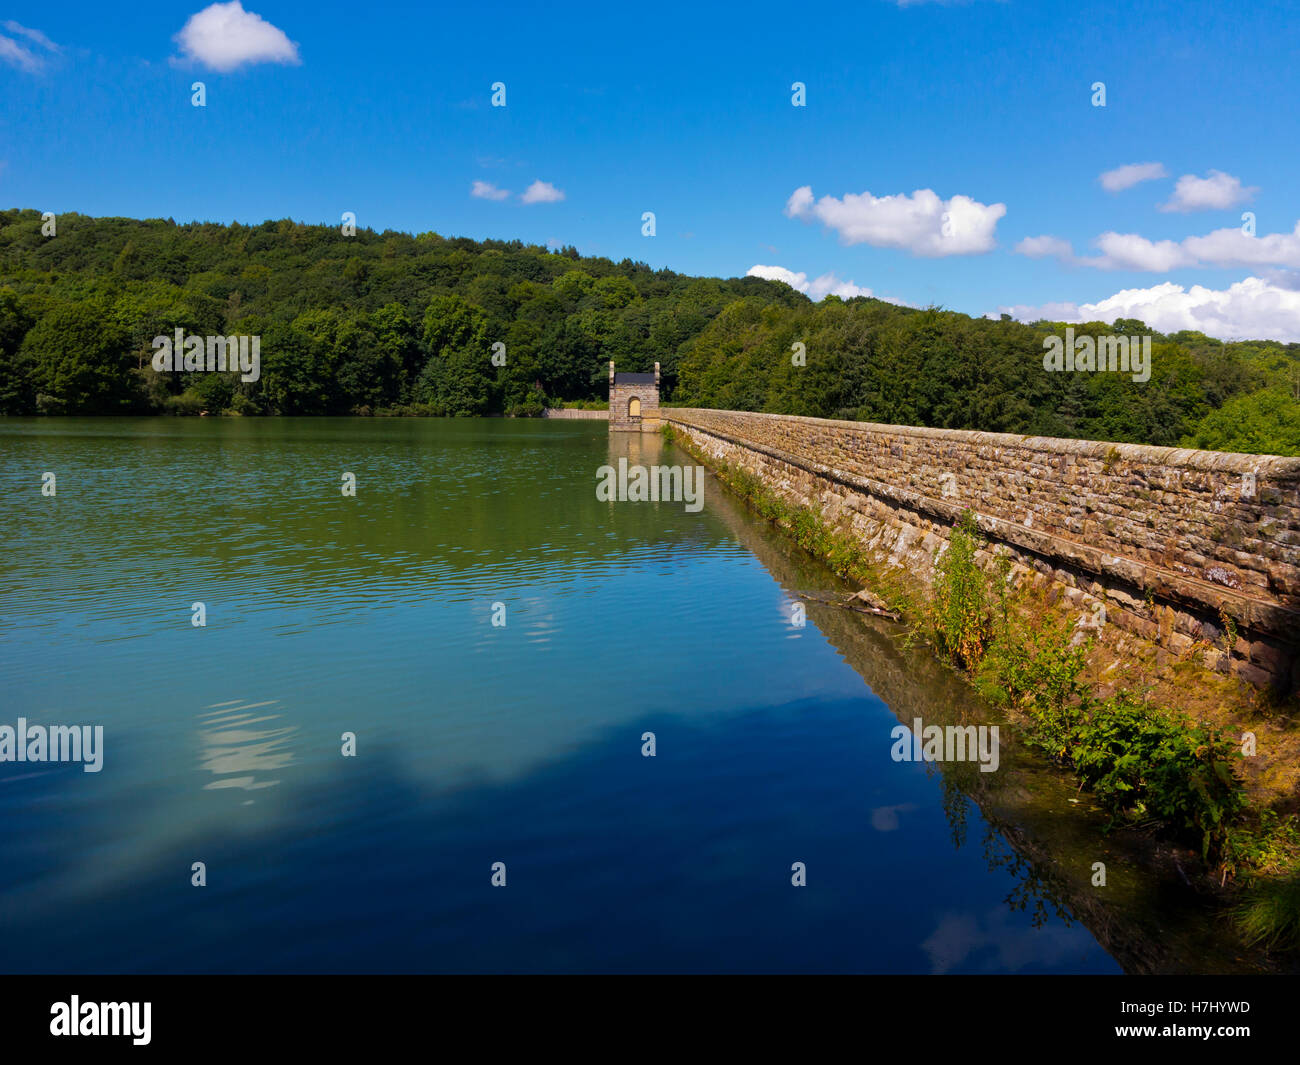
(317, 108)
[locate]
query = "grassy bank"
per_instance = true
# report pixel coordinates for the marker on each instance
(1152, 765)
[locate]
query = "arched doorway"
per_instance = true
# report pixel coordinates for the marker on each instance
(634, 407)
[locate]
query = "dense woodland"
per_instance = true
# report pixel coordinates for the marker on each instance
(389, 323)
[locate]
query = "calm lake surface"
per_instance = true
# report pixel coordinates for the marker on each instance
(475, 743)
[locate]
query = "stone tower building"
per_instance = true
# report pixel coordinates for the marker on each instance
(633, 401)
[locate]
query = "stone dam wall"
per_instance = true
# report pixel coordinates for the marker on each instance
(1166, 543)
(572, 414)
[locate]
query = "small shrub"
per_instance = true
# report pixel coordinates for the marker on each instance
(1266, 843)
(961, 617)
(1031, 663)
(1269, 915)
(241, 404)
(1141, 760)
(1034, 667)
(188, 402)
(1229, 631)
(531, 405)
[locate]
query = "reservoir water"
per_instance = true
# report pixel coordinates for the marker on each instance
(517, 742)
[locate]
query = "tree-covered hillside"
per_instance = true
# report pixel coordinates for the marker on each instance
(871, 361)
(393, 323)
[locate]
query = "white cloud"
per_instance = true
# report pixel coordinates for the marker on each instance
(1129, 251)
(819, 288)
(542, 192)
(20, 55)
(1125, 177)
(485, 190)
(1213, 193)
(920, 223)
(1232, 247)
(224, 37)
(800, 202)
(1045, 246)
(1253, 309)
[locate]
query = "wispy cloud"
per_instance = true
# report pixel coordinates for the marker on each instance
(1130, 251)
(1125, 177)
(1045, 247)
(1119, 251)
(1215, 192)
(485, 190)
(35, 36)
(921, 222)
(22, 55)
(542, 192)
(224, 37)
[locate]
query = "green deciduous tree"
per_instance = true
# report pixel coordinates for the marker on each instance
(82, 361)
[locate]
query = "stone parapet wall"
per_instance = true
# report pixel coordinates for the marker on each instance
(1172, 541)
(574, 414)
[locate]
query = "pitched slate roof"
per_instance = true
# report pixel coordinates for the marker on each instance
(634, 379)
